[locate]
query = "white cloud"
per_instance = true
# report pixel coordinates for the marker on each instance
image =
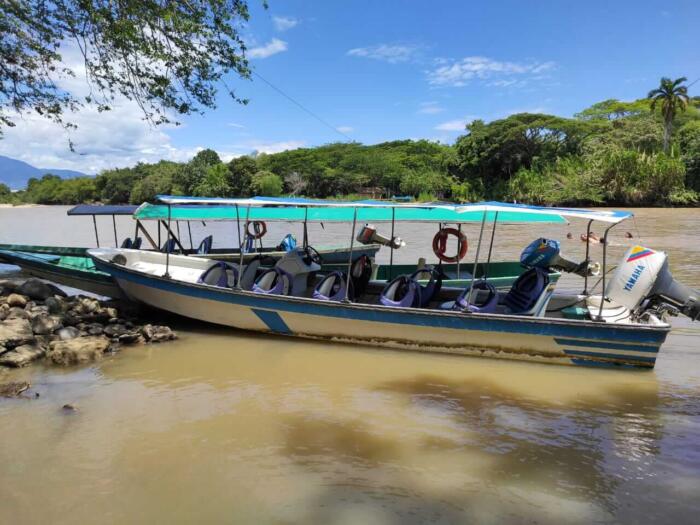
(430, 108)
(459, 73)
(273, 47)
(385, 52)
(455, 125)
(235, 125)
(345, 129)
(282, 23)
(273, 147)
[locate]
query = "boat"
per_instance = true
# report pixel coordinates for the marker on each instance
(73, 267)
(624, 327)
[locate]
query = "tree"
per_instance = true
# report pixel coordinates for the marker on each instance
(214, 183)
(208, 157)
(167, 56)
(267, 183)
(673, 97)
(240, 175)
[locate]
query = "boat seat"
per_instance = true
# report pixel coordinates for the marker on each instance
(221, 274)
(205, 246)
(249, 273)
(431, 289)
(273, 282)
(401, 292)
(132, 245)
(484, 299)
(529, 294)
(169, 246)
(331, 288)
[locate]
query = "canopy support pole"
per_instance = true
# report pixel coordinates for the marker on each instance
(167, 251)
(306, 229)
(240, 264)
(459, 229)
(238, 230)
(476, 260)
(352, 245)
(177, 226)
(114, 225)
(97, 238)
(159, 239)
(172, 234)
(488, 261)
(391, 252)
(588, 250)
(189, 230)
(605, 271)
(141, 227)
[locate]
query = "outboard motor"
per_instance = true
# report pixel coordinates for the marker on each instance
(369, 235)
(545, 253)
(642, 282)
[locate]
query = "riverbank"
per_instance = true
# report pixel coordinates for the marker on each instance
(39, 321)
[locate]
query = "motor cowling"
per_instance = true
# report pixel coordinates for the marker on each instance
(546, 253)
(643, 278)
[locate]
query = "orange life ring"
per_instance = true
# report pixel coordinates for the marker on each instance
(259, 229)
(440, 245)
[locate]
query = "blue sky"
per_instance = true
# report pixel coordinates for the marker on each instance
(389, 70)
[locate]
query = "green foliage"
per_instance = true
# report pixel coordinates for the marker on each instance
(6, 196)
(240, 175)
(167, 56)
(51, 189)
(613, 109)
(214, 182)
(671, 96)
(266, 183)
(689, 144)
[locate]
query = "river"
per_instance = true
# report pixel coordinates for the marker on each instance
(224, 426)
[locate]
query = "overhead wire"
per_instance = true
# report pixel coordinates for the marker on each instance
(303, 108)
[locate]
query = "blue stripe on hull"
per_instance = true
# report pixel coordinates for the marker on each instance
(273, 321)
(530, 326)
(603, 344)
(610, 356)
(608, 364)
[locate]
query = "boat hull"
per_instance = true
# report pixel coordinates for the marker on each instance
(97, 283)
(549, 340)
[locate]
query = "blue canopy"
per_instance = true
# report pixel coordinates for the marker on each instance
(93, 209)
(328, 210)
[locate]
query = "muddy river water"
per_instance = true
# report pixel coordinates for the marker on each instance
(225, 426)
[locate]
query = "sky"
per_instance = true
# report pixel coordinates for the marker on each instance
(374, 71)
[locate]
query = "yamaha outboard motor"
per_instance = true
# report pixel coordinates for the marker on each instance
(643, 282)
(545, 253)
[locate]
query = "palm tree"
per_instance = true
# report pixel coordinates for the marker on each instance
(673, 97)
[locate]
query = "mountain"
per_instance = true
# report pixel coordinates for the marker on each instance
(16, 173)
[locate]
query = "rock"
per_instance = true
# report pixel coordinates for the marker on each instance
(69, 408)
(35, 311)
(15, 299)
(14, 388)
(3, 349)
(131, 338)
(54, 305)
(114, 330)
(46, 324)
(15, 332)
(78, 350)
(17, 313)
(87, 305)
(4, 310)
(67, 333)
(157, 334)
(39, 290)
(94, 329)
(22, 355)
(111, 313)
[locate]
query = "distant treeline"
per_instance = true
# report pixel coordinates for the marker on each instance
(611, 153)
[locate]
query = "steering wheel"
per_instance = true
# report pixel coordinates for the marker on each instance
(311, 255)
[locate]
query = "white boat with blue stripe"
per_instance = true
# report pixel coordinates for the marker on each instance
(624, 327)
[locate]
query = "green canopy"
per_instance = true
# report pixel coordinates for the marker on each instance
(446, 214)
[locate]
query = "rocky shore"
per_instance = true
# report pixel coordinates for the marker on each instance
(38, 321)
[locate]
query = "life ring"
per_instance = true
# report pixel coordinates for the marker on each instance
(440, 245)
(259, 229)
